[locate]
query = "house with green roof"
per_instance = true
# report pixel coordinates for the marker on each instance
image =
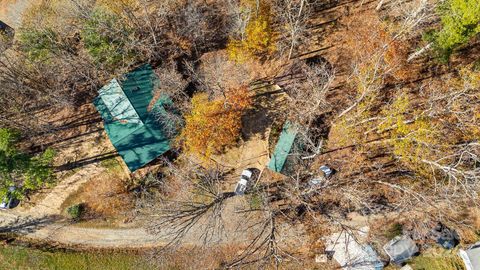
(129, 115)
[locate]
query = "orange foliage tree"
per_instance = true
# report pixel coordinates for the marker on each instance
(213, 125)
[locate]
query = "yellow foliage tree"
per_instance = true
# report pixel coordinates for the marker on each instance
(213, 125)
(259, 36)
(412, 140)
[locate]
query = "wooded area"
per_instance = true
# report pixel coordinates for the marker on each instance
(386, 93)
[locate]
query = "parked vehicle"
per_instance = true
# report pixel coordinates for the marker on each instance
(243, 183)
(444, 236)
(9, 201)
(471, 257)
(315, 182)
(327, 171)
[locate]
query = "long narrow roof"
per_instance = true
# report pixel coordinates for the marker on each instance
(283, 147)
(124, 105)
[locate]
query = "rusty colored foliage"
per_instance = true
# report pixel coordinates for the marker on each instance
(107, 196)
(213, 125)
(373, 46)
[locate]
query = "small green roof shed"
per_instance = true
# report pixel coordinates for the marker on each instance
(283, 147)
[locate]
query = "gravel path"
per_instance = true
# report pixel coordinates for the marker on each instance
(11, 11)
(51, 204)
(44, 221)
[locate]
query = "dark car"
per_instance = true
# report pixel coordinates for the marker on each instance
(9, 201)
(444, 236)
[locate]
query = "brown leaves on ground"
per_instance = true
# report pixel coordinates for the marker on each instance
(107, 196)
(468, 222)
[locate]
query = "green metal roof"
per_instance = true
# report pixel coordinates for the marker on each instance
(131, 127)
(283, 147)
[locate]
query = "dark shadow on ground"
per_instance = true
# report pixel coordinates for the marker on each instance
(256, 121)
(28, 226)
(86, 161)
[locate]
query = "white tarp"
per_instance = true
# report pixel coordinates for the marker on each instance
(471, 257)
(400, 249)
(352, 255)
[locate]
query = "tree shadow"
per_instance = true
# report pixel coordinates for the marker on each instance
(39, 148)
(29, 226)
(256, 121)
(86, 161)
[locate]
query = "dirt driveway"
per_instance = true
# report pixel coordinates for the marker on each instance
(11, 11)
(44, 221)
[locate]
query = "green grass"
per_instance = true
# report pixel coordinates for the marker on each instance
(394, 230)
(438, 259)
(112, 165)
(256, 201)
(13, 257)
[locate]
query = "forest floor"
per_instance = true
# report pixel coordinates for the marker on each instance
(81, 144)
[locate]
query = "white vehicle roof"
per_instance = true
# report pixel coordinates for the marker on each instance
(247, 173)
(326, 169)
(242, 182)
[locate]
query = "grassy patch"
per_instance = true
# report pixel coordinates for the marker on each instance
(438, 259)
(256, 201)
(394, 230)
(112, 165)
(24, 258)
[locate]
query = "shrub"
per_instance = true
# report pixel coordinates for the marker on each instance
(38, 45)
(460, 22)
(259, 36)
(105, 37)
(76, 211)
(20, 169)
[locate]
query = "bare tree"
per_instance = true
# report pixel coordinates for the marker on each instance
(293, 15)
(215, 74)
(307, 95)
(201, 209)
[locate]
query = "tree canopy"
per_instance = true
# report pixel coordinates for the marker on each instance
(460, 22)
(213, 125)
(257, 38)
(19, 169)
